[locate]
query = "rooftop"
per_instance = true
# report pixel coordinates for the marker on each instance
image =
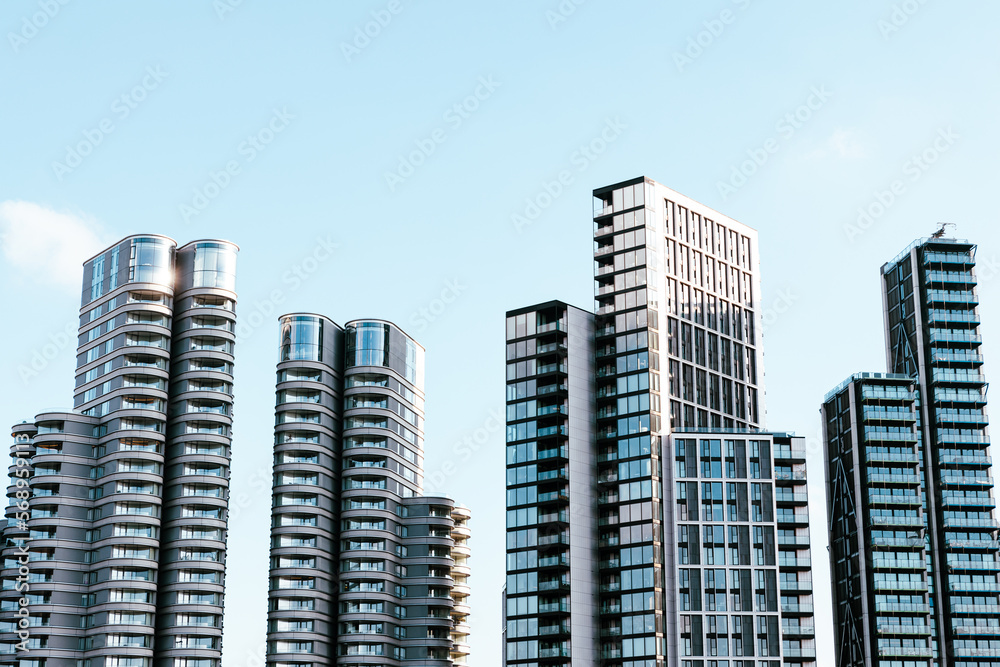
(865, 376)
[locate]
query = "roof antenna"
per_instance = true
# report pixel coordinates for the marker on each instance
(940, 233)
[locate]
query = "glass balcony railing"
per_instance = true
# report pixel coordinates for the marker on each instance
(893, 478)
(961, 316)
(882, 585)
(954, 377)
(961, 608)
(786, 475)
(946, 336)
(967, 480)
(977, 652)
(962, 501)
(933, 257)
(962, 543)
(974, 586)
(902, 607)
(949, 356)
(956, 296)
(891, 457)
(985, 523)
(906, 651)
(875, 435)
(978, 565)
(899, 563)
(976, 630)
(915, 521)
(950, 277)
(899, 629)
(892, 499)
(562, 560)
(952, 417)
(898, 542)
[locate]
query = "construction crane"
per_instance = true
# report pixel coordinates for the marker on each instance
(940, 233)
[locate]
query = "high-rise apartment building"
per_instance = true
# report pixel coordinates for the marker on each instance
(914, 538)
(114, 550)
(597, 404)
(365, 570)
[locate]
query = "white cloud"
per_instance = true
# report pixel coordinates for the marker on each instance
(843, 144)
(47, 247)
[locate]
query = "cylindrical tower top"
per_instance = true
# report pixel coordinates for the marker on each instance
(308, 337)
(135, 259)
(210, 263)
(381, 343)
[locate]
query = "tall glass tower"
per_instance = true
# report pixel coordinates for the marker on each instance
(593, 400)
(946, 587)
(365, 570)
(115, 545)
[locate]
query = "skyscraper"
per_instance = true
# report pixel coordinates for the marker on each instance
(909, 477)
(114, 551)
(597, 405)
(365, 570)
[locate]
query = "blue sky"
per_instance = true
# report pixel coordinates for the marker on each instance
(357, 188)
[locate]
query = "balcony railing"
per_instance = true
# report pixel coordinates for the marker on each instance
(906, 651)
(993, 609)
(978, 565)
(896, 629)
(977, 522)
(950, 277)
(902, 607)
(897, 521)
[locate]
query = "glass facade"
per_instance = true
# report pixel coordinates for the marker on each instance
(676, 291)
(150, 261)
(364, 568)
(914, 532)
(213, 265)
(549, 385)
(121, 502)
(672, 350)
(381, 344)
(740, 564)
(932, 324)
(302, 338)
